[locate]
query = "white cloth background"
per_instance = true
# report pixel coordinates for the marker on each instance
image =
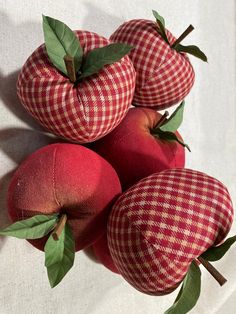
(209, 128)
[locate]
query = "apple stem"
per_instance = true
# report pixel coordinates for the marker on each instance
(182, 36)
(59, 227)
(213, 271)
(162, 119)
(70, 67)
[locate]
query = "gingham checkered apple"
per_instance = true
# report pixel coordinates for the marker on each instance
(143, 144)
(164, 73)
(98, 98)
(158, 227)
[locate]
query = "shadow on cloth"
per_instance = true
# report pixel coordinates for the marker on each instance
(18, 143)
(18, 33)
(9, 97)
(102, 20)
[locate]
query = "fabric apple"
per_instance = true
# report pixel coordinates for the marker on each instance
(161, 225)
(164, 73)
(142, 144)
(102, 254)
(77, 85)
(56, 182)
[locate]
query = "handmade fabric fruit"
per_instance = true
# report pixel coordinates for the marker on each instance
(69, 179)
(164, 73)
(101, 251)
(158, 227)
(95, 97)
(143, 144)
(65, 192)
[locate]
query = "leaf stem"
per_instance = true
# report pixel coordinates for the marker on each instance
(162, 119)
(59, 227)
(182, 36)
(213, 271)
(70, 67)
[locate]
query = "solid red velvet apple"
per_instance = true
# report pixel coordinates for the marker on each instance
(88, 108)
(160, 225)
(164, 75)
(135, 152)
(65, 179)
(101, 251)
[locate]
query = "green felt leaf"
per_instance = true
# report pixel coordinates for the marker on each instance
(217, 252)
(60, 40)
(169, 136)
(173, 123)
(161, 23)
(97, 58)
(179, 294)
(31, 228)
(189, 293)
(159, 18)
(59, 255)
(193, 50)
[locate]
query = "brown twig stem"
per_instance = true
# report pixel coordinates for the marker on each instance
(182, 36)
(59, 227)
(162, 119)
(70, 67)
(213, 271)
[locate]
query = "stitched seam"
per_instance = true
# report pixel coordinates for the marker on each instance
(157, 246)
(154, 74)
(53, 179)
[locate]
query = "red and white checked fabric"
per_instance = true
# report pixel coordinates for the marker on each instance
(82, 114)
(164, 76)
(158, 226)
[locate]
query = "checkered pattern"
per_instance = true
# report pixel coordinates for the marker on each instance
(158, 226)
(81, 114)
(164, 76)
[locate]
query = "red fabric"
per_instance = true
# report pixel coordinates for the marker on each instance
(158, 226)
(134, 152)
(65, 178)
(81, 114)
(164, 76)
(102, 253)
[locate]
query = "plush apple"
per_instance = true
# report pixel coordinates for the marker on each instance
(161, 225)
(140, 145)
(58, 185)
(164, 73)
(77, 85)
(65, 178)
(101, 251)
